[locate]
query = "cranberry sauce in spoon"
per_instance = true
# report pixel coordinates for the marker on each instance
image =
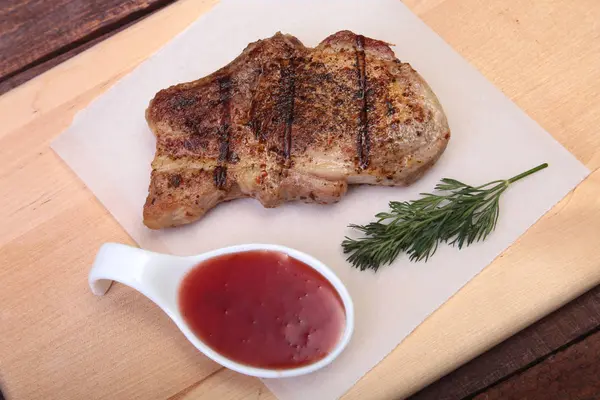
(263, 309)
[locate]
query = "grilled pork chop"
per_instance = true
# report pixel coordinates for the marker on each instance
(285, 122)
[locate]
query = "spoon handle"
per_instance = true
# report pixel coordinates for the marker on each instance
(118, 262)
(155, 275)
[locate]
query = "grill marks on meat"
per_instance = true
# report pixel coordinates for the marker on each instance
(220, 172)
(288, 90)
(363, 132)
(284, 122)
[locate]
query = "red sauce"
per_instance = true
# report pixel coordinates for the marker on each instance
(262, 309)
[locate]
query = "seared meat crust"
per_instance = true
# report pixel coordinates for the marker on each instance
(285, 122)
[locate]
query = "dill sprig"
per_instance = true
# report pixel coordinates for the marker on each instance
(458, 214)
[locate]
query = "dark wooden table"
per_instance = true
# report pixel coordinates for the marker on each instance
(556, 358)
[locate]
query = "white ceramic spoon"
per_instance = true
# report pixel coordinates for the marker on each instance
(158, 277)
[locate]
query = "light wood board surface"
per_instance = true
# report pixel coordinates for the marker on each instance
(59, 341)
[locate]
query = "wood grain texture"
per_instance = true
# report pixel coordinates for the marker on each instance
(569, 324)
(35, 35)
(73, 344)
(572, 374)
(45, 279)
(41, 66)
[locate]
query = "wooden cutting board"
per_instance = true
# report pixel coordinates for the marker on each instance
(58, 340)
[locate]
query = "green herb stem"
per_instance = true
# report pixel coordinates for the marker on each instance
(527, 173)
(457, 214)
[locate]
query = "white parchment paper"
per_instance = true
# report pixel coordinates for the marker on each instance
(110, 147)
